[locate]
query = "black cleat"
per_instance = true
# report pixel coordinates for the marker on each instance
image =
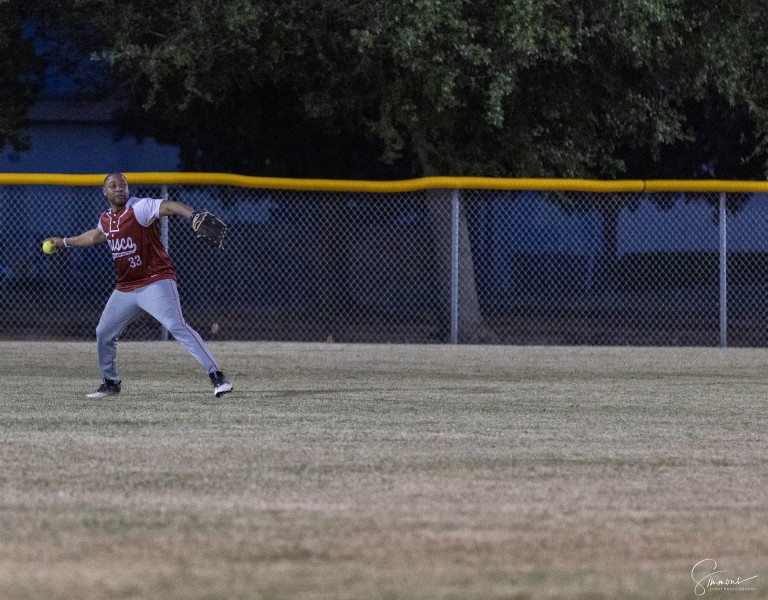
(221, 384)
(106, 389)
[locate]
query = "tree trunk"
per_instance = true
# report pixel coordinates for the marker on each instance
(610, 211)
(471, 326)
(332, 292)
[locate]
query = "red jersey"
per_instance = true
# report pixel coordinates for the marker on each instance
(133, 236)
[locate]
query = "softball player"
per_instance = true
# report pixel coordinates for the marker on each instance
(146, 280)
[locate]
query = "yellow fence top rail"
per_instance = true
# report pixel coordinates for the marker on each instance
(404, 185)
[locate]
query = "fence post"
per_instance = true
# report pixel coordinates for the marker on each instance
(164, 240)
(455, 266)
(723, 273)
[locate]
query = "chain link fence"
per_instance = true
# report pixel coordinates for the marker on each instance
(425, 266)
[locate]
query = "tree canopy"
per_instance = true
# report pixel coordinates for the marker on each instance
(351, 88)
(20, 76)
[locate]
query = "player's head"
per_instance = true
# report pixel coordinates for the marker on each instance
(116, 189)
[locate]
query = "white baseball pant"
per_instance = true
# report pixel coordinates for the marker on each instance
(161, 300)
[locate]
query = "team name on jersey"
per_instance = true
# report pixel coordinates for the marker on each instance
(122, 247)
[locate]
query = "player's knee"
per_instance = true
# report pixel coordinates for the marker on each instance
(175, 326)
(102, 333)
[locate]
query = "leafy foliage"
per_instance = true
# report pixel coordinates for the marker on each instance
(20, 74)
(483, 87)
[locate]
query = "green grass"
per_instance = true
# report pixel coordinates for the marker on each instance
(382, 472)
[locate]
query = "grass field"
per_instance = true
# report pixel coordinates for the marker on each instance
(383, 472)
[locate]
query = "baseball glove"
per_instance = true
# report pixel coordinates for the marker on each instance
(209, 228)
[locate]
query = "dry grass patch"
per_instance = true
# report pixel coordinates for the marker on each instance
(343, 471)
